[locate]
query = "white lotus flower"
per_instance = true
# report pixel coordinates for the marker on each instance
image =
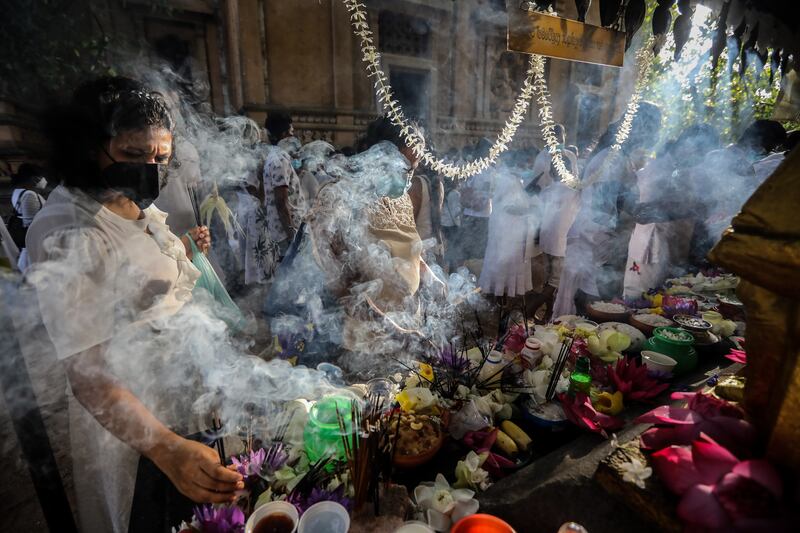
(444, 505)
(470, 474)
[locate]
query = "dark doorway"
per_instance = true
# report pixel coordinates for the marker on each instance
(412, 89)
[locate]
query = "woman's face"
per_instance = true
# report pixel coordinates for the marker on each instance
(147, 145)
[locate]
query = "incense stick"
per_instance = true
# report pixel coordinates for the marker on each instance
(558, 367)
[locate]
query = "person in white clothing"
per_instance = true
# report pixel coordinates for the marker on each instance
(109, 274)
(284, 200)
(26, 200)
(559, 205)
(506, 265)
(597, 242)
(476, 201)
(660, 250)
(451, 226)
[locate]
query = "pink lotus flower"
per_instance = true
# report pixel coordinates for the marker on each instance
(738, 356)
(579, 411)
(633, 381)
(720, 420)
(718, 491)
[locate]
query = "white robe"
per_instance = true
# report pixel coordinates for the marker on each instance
(105, 280)
(507, 261)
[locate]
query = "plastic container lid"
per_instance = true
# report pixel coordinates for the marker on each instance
(324, 517)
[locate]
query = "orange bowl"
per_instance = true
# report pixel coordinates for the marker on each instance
(413, 461)
(481, 523)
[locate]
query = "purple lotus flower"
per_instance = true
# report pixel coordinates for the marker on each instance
(452, 360)
(250, 464)
(260, 462)
(275, 458)
(320, 495)
(222, 519)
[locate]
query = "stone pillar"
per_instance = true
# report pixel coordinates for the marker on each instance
(232, 30)
(252, 57)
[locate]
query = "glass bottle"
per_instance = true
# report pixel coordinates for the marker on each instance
(580, 380)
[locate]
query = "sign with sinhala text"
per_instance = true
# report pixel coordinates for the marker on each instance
(536, 33)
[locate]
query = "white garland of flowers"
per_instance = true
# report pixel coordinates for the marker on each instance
(412, 136)
(535, 83)
(644, 58)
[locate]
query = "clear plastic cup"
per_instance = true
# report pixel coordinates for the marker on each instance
(324, 517)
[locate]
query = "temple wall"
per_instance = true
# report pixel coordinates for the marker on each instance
(447, 61)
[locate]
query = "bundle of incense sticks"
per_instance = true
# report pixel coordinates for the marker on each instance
(363, 447)
(558, 368)
(219, 443)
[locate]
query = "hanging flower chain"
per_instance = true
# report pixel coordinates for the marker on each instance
(548, 125)
(644, 58)
(412, 136)
(535, 83)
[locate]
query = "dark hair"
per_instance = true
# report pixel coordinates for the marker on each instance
(278, 122)
(704, 137)
(763, 135)
(347, 151)
(482, 148)
(25, 173)
(645, 126)
(100, 110)
(382, 129)
(560, 132)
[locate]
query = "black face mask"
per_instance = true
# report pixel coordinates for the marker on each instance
(140, 182)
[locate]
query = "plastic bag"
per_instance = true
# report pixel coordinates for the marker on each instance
(226, 308)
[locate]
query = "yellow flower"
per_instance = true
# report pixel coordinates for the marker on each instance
(610, 404)
(425, 371)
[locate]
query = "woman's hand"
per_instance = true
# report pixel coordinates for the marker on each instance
(201, 237)
(196, 472)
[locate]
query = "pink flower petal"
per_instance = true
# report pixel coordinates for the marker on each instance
(733, 433)
(674, 466)
(664, 414)
(699, 506)
(738, 356)
(657, 438)
(763, 473)
(711, 460)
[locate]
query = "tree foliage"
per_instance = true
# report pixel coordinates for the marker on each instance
(690, 91)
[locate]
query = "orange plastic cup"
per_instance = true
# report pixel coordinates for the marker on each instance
(481, 523)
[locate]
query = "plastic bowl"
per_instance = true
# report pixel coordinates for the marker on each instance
(686, 360)
(481, 523)
(644, 327)
(604, 316)
(658, 362)
(324, 517)
(692, 324)
(269, 509)
(413, 461)
(686, 340)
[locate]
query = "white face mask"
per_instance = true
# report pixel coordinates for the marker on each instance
(41, 184)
